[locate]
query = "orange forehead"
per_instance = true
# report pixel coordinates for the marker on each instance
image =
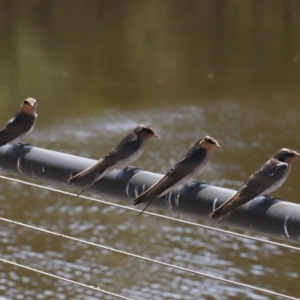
(27, 108)
(146, 134)
(208, 146)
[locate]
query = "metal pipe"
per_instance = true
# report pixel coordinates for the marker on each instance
(273, 217)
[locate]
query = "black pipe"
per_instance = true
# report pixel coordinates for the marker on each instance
(273, 217)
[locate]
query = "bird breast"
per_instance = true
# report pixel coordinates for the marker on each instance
(277, 184)
(130, 159)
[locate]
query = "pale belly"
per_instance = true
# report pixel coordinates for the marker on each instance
(130, 159)
(275, 186)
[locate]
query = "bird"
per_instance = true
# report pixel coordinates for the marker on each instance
(271, 175)
(121, 156)
(192, 164)
(21, 124)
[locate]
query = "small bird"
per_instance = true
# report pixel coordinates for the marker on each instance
(21, 124)
(122, 155)
(267, 179)
(190, 166)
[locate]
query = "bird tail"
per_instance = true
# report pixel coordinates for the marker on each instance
(145, 207)
(216, 213)
(222, 212)
(89, 172)
(146, 196)
(87, 186)
(140, 199)
(74, 178)
(221, 218)
(81, 175)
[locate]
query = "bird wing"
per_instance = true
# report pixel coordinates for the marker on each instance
(15, 127)
(125, 148)
(261, 180)
(185, 166)
(128, 146)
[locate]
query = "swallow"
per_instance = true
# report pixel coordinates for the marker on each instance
(21, 124)
(267, 179)
(121, 156)
(192, 164)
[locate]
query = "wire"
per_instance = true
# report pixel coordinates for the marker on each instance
(234, 234)
(64, 279)
(145, 259)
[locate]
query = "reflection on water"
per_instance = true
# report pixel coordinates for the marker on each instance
(229, 69)
(184, 245)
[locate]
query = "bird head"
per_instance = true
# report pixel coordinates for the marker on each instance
(209, 143)
(144, 131)
(286, 155)
(29, 106)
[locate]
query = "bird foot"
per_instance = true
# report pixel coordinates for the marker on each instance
(196, 183)
(20, 145)
(268, 198)
(128, 168)
(193, 183)
(203, 182)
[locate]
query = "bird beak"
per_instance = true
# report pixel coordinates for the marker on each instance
(298, 154)
(157, 137)
(32, 104)
(218, 146)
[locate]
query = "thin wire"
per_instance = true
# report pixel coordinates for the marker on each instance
(234, 234)
(65, 279)
(262, 290)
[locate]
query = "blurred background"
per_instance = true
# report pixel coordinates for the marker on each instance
(227, 68)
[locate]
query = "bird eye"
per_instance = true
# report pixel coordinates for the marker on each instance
(210, 141)
(148, 130)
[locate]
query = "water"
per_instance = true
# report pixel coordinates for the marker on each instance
(230, 70)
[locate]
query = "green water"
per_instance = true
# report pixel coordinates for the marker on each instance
(229, 69)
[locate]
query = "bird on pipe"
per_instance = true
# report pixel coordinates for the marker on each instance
(192, 164)
(265, 180)
(21, 124)
(121, 156)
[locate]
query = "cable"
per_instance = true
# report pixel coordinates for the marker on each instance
(234, 234)
(150, 260)
(64, 279)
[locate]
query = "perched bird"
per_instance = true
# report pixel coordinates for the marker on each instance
(267, 179)
(21, 124)
(190, 166)
(122, 155)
